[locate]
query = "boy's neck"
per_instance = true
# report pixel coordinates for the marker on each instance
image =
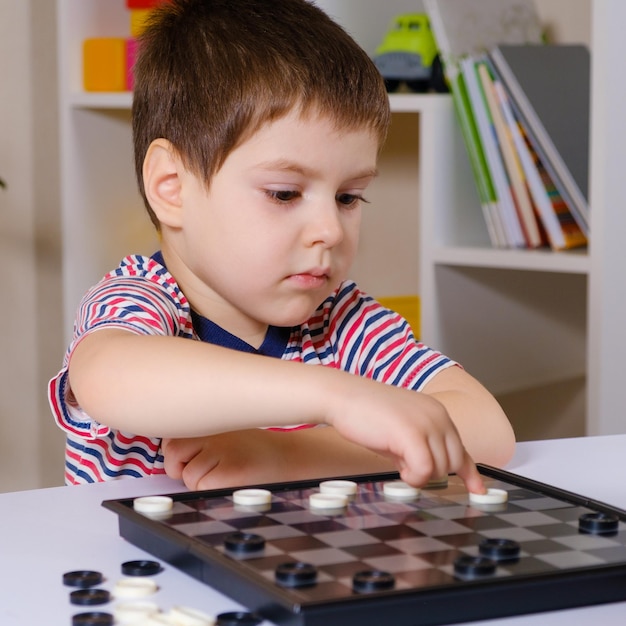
(273, 344)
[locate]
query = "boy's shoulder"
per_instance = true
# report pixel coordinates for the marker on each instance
(139, 265)
(139, 288)
(138, 268)
(349, 311)
(347, 298)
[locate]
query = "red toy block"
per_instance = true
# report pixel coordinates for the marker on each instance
(131, 55)
(144, 4)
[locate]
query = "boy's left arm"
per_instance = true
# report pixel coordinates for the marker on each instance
(258, 456)
(483, 426)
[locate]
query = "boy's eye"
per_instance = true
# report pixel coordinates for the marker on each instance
(283, 195)
(349, 199)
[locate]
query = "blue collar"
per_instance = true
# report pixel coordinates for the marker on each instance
(274, 343)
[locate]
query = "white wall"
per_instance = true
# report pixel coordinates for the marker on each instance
(29, 245)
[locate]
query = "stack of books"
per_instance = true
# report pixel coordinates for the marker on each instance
(523, 108)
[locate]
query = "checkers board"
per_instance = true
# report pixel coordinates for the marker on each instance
(434, 560)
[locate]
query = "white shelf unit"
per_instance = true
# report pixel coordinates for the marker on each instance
(102, 213)
(515, 319)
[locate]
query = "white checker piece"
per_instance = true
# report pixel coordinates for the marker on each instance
(134, 587)
(134, 612)
(401, 490)
(252, 497)
(328, 500)
(341, 487)
(493, 496)
(153, 505)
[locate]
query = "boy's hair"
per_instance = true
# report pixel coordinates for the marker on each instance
(210, 72)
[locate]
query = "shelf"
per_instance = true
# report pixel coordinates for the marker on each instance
(101, 100)
(416, 102)
(400, 103)
(570, 262)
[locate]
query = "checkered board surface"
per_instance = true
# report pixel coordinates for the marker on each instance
(417, 542)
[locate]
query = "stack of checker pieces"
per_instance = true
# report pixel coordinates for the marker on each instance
(433, 559)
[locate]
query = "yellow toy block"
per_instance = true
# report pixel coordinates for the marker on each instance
(104, 64)
(408, 307)
(138, 18)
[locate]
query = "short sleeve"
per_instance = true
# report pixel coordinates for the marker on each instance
(140, 296)
(353, 332)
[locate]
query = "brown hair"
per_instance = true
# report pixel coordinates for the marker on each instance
(211, 72)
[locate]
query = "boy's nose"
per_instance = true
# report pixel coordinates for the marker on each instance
(326, 227)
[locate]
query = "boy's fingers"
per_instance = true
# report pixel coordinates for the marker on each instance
(470, 475)
(416, 470)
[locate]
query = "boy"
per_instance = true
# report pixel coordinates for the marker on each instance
(256, 128)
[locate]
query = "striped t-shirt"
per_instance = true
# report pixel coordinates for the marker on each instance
(349, 331)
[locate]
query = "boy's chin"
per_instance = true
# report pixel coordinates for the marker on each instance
(295, 318)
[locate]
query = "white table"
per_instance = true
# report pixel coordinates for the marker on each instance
(51, 531)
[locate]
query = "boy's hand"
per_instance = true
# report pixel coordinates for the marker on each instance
(233, 459)
(263, 456)
(413, 429)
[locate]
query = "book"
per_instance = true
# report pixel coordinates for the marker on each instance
(521, 196)
(478, 162)
(573, 236)
(549, 90)
(467, 28)
(486, 130)
(561, 229)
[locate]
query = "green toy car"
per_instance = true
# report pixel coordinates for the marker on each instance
(408, 54)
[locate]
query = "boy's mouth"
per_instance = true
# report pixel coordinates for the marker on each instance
(313, 278)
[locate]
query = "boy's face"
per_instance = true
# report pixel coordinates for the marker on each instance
(278, 229)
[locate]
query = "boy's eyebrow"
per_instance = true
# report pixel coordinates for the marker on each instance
(291, 166)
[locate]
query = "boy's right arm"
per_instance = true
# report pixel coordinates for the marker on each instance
(172, 387)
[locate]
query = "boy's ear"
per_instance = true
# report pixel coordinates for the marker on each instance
(162, 182)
